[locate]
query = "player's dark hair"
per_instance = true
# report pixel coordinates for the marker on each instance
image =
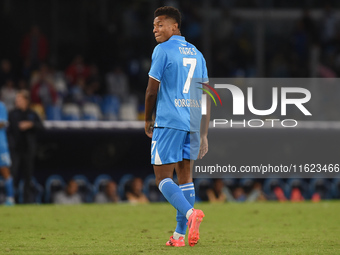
(170, 12)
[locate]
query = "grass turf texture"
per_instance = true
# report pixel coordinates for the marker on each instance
(257, 228)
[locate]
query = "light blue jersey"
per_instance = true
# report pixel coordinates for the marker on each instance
(4, 154)
(3, 119)
(174, 63)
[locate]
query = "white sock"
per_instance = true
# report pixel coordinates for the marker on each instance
(189, 212)
(176, 236)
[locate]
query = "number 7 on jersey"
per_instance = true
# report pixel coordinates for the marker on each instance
(192, 62)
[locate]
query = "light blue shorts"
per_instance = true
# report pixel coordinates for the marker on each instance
(172, 145)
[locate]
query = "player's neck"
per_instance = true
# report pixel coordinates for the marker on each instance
(177, 33)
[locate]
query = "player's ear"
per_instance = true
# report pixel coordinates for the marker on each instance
(174, 27)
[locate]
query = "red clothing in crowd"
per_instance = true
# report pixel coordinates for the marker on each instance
(75, 71)
(43, 96)
(42, 47)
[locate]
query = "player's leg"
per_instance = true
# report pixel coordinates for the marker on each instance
(174, 195)
(5, 162)
(170, 189)
(190, 153)
(183, 171)
(166, 150)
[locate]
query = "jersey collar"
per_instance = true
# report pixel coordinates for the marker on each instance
(177, 38)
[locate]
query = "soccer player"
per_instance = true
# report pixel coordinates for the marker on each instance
(5, 160)
(176, 138)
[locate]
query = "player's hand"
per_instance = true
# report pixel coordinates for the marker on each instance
(203, 147)
(149, 128)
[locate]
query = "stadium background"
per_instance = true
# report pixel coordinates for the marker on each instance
(90, 125)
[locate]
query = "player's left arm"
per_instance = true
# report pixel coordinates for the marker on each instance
(150, 104)
(204, 130)
(205, 118)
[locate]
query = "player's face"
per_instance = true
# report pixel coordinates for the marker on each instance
(163, 28)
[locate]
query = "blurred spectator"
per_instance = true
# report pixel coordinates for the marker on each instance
(135, 195)
(8, 93)
(77, 91)
(93, 85)
(69, 195)
(43, 91)
(24, 125)
(238, 195)
(279, 194)
(117, 83)
(34, 48)
(59, 82)
(110, 194)
(77, 69)
(248, 193)
(216, 194)
(296, 195)
(5, 72)
(256, 193)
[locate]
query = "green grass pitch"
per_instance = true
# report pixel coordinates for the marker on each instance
(239, 228)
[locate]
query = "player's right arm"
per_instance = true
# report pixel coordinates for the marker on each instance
(150, 104)
(158, 64)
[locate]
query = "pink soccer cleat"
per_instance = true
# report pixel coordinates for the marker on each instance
(176, 243)
(194, 222)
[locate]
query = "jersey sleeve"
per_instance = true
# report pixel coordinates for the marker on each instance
(158, 64)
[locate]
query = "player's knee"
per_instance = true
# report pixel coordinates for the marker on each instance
(159, 179)
(184, 179)
(162, 172)
(184, 175)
